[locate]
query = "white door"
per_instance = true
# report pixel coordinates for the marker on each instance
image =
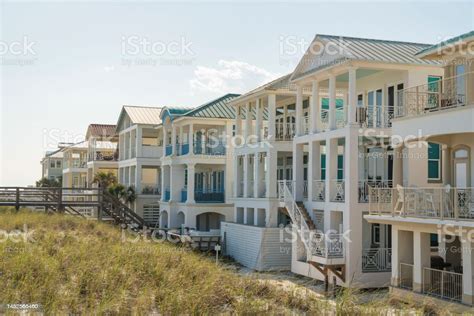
(460, 171)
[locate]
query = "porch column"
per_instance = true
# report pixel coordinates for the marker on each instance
(315, 108)
(191, 172)
(165, 140)
(138, 141)
(351, 166)
(468, 269)
(256, 174)
(259, 119)
(130, 143)
(332, 102)
(138, 178)
(299, 110)
(237, 175)
(271, 175)
(165, 174)
(352, 102)
(271, 116)
(191, 139)
(310, 178)
(238, 123)
(331, 166)
(298, 172)
(248, 122)
(181, 139)
(402, 252)
(173, 139)
(285, 123)
(246, 174)
(421, 258)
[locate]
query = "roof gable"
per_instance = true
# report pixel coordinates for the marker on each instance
(101, 131)
(218, 108)
(140, 115)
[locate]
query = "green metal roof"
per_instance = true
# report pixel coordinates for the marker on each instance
(218, 108)
(354, 48)
(173, 112)
(442, 44)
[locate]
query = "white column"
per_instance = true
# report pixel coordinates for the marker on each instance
(331, 166)
(314, 167)
(237, 175)
(173, 139)
(130, 143)
(397, 165)
(138, 141)
(298, 171)
(332, 102)
(421, 258)
(248, 122)
(351, 166)
(352, 96)
(238, 122)
(246, 175)
(256, 174)
(271, 175)
(299, 110)
(138, 178)
(271, 116)
(165, 141)
(181, 138)
(468, 269)
(191, 139)
(315, 107)
(191, 172)
(259, 119)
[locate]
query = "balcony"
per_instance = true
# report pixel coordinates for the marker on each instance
(183, 149)
(214, 148)
(167, 195)
(326, 246)
(435, 96)
(285, 131)
(319, 190)
(366, 185)
(337, 190)
(443, 203)
(151, 189)
(184, 195)
(103, 156)
(75, 163)
(209, 196)
(376, 116)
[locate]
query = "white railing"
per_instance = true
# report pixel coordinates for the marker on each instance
(152, 151)
(319, 190)
(378, 116)
(316, 244)
(438, 202)
(240, 189)
(305, 189)
(75, 163)
(306, 125)
(405, 276)
(340, 119)
(365, 185)
(443, 284)
(337, 190)
(435, 96)
(285, 131)
(377, 260)
(250, 188)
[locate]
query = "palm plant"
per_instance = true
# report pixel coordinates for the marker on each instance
(105, 179)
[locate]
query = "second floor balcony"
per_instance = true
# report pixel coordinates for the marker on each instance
(443, 203)
(437, 95)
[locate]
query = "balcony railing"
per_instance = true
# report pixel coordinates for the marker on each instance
(209, 196)
(405, 275)
(167, 195)
(337, 190)
(438, 202)
(306, 125)
(442, 284)
(327, 246)
(377, 116)
(377, 260)
(340, 119)
(151, 189)
(364, 188)
(152, 151)
(305, 189)
(75, 163)
(435, 96)
(215, 148)
(184, 195)
(183, 149)
(285, 131)
(103, 156)
(319, 190)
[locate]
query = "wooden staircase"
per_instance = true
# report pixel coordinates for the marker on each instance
(67, 200)
(306, 216)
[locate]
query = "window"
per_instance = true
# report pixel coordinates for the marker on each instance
(151, 214)
(52, 164)
(340, 167)
(376, 234)
(58, 164)
(434, 161)
(323, 167)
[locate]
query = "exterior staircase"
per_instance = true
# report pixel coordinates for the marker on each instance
(320, 249)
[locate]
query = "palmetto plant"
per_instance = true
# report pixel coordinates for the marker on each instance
(127, 195)
(105, 179)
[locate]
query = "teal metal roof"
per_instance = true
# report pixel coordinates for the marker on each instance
(173, 112)
(442, 44)
(218, 108)
(354, 48)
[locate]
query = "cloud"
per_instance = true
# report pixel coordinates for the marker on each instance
(109, 68)
(229, 76)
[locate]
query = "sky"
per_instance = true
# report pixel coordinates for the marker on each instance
(64, 65)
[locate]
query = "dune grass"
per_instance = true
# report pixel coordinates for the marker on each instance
(72, 265)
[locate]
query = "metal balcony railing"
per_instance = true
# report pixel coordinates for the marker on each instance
(437, 202)
(285, 131)
(319, 190)
(212, 148)
(169, 150)
(209, 196)
(377, 260)
(435, 96)
(405, 275)
(151, 189)
(442, 284)
(364, 188)
(337, 190)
